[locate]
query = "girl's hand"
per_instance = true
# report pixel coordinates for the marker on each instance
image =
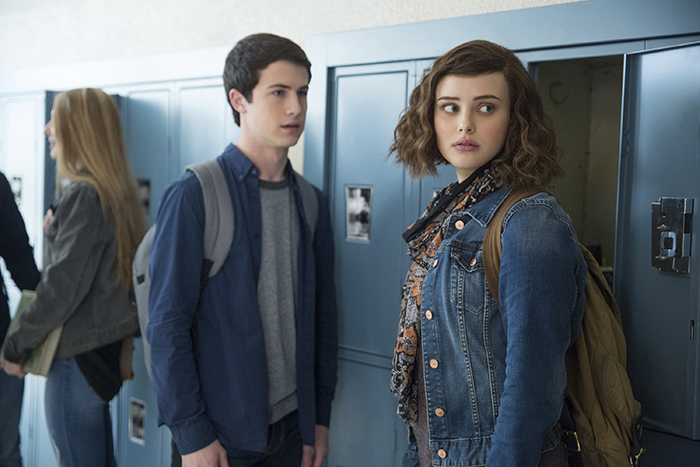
(48, 218)
(13, 369)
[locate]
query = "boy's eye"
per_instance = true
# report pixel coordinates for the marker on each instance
(278, 92)
(302, 93)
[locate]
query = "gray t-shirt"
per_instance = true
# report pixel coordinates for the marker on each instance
(277, 293)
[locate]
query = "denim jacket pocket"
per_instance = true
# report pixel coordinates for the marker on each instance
(466, 277)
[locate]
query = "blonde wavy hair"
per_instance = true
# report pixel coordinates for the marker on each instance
(91, 149)
(529, 156)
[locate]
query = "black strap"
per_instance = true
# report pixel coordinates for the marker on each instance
(417, 228)
(569, 437)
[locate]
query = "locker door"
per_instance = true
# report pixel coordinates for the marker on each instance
(168, 127)
(659, 158)
(205, 122)
(368, 196)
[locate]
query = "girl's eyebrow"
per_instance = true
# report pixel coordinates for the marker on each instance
(477, 98)
(487, 96)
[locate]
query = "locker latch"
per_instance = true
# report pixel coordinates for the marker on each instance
(671, 229)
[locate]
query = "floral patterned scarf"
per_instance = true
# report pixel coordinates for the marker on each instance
(424, 238)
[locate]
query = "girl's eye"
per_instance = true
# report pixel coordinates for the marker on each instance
(486, 108)
(450, 108)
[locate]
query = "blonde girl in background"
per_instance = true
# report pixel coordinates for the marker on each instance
(91, 236)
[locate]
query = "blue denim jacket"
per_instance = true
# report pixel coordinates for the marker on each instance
(495, 379)
(215, 386)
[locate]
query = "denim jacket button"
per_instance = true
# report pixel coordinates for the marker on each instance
(433, 363)
(459, 225)
(472, 263)
(435, 263)
(429, 314)
(442, 454)
(439, 412)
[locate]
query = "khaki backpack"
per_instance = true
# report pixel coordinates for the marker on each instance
(601, 421)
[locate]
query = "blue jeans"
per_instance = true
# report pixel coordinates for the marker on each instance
(284, 447)
(11, 390)
(79, 423)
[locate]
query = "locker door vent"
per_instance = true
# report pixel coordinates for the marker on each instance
(137, 419)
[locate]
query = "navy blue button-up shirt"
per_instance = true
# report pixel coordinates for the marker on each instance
(213, 385)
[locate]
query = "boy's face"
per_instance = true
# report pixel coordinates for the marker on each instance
(275, 116)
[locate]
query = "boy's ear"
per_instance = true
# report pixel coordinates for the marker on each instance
(238, 101)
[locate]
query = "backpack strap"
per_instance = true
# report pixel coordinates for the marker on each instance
(218, 212)
(309, 201)
(492, 247)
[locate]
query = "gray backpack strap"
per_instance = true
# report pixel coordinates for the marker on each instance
(142, 287)
(310, 202)
(218, 212)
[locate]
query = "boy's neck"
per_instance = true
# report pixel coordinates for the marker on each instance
(270, 162)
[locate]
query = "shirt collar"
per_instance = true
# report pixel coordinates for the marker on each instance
(238, 163)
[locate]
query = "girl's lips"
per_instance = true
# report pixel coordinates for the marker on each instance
(465, 145)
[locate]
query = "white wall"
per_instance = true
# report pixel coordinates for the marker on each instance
(62, 44)
(37, 33)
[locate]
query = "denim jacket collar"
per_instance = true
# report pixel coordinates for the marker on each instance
(483, 211)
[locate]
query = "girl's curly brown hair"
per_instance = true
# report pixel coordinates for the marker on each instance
(529, 155)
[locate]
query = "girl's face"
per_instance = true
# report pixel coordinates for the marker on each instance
(472, 116)
(50, 132)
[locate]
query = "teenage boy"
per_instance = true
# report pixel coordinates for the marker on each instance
(249, 378)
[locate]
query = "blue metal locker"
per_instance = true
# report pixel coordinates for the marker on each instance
(659, 300)
(367, 104)
(167, 128)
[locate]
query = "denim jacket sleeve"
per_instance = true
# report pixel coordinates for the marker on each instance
(326, 341)
(77, 234)
(175, 269)
(541, 294)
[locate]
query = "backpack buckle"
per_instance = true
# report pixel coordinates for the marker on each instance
(570, 440)
(634, 459)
